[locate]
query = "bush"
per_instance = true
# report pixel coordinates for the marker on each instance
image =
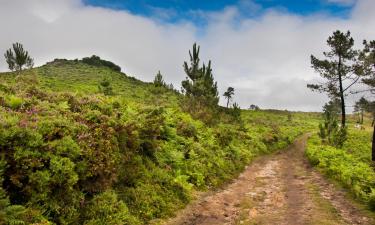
(14, 102)
(105, 208)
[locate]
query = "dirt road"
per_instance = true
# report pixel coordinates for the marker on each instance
(278, 189)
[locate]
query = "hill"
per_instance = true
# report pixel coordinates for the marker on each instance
(72, 155)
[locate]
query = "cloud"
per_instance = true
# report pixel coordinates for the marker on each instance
(265, 58)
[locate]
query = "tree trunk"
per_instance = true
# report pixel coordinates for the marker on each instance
(227, 102)
(341, 96)
(361, 116)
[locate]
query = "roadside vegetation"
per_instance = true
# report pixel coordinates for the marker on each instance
(83, 143)
(341, 151)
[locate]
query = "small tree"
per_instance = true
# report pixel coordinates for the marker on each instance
(360, 107)
(330, 132)
(199, 83)
(236, 112)
(228, 94)
(18, 58)
(158, 80)
(337, 68)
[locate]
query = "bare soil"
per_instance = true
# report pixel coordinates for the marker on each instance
(281, 188)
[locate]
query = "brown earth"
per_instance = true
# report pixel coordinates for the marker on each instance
(281, 188)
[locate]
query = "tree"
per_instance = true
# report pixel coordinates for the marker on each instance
(236, 112)
(329, 131)
(199, 83)
(18, 58)
(158, 80)
(254, 107)
(228, 94)
(366, 70)
(336, 68)
(97, 61)
(360, 107)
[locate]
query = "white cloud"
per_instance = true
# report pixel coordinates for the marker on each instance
(266, 59)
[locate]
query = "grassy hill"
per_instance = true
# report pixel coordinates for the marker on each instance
(72, 155)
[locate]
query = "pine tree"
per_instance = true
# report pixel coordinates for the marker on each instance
(158, 80)
(199, 83)
(228, 94)
(360, 107)
(329, 131)
(336, 68)
(18, 58)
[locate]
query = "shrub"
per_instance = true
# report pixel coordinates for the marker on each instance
(14, 102)
(106, 208)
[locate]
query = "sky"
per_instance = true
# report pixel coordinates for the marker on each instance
(261, 48)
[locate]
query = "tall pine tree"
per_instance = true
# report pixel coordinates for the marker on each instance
(199, 83)
(336, 68)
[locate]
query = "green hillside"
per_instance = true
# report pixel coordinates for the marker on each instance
(72, 155)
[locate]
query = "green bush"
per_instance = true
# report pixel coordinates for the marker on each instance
(106, 208)
(14, 102)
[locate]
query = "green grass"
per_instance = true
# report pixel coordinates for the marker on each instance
(350, 165)
(71, 155)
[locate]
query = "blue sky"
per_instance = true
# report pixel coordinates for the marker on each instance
(176, 10)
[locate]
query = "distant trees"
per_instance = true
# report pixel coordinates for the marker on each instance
(18, 58)
(254, 107)
(199, 83)
(97, 61)
(336, 68)
(360, 107)
(228, 94)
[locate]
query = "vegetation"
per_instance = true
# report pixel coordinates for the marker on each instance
(199, 84)
(343, 153)
(351, 164)
(97, 61)
(229, 94)
(71, 154)
(360, 107)
(329, 131)
(336, 69)
(18, 58)
(366, 70)
(159, 81)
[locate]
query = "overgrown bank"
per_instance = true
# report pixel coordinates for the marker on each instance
(350, 165)
(71, 155)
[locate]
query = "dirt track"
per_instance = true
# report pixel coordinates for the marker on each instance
(278, 189)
